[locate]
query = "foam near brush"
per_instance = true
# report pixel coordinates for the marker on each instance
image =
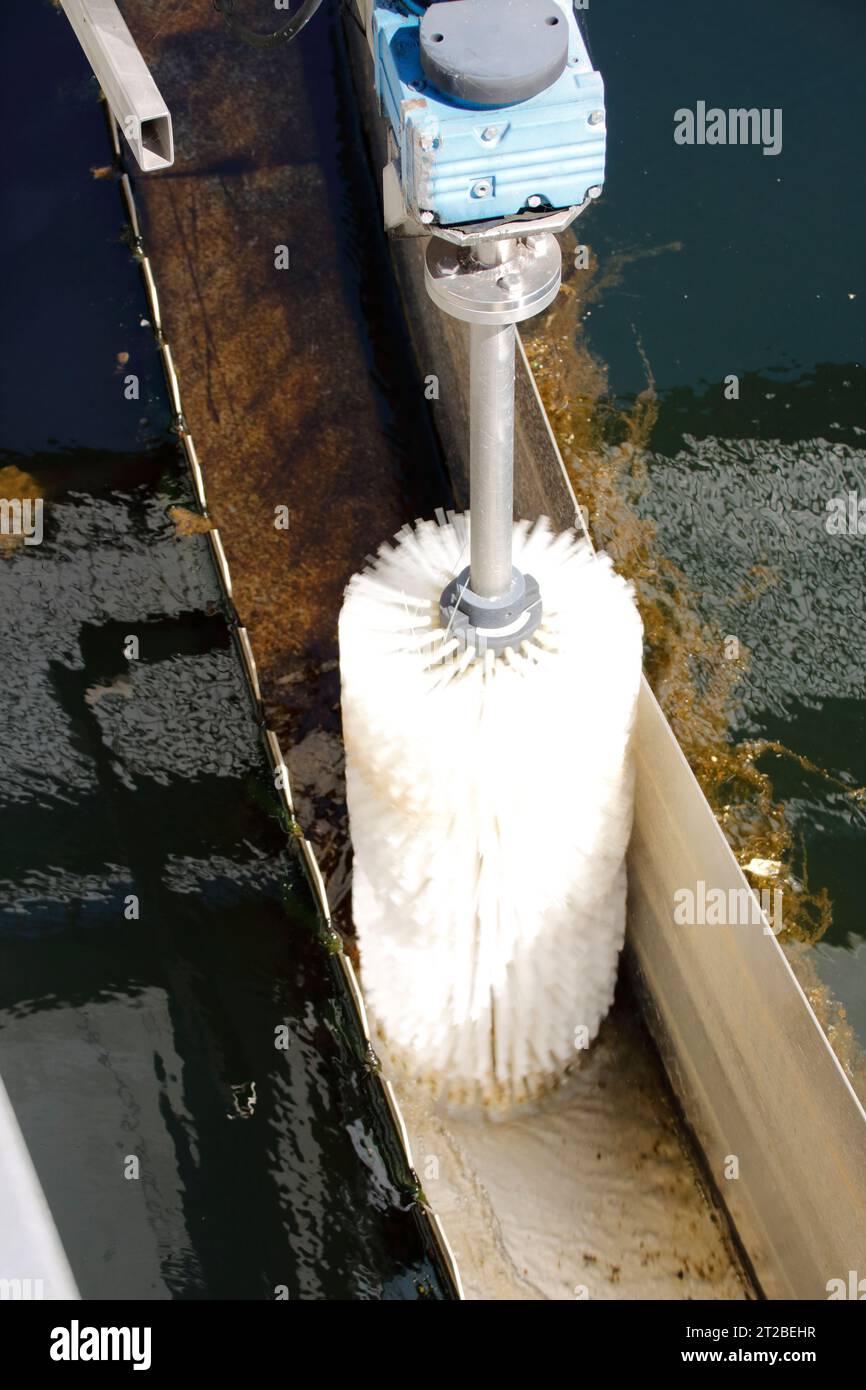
(490, 806)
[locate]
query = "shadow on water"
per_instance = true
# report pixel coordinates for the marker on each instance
(157, 933)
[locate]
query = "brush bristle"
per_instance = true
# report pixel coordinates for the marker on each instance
(490, 806)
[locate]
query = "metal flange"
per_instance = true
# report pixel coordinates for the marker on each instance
(512, 289)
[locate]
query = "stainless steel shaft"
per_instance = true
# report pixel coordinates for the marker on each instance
(492, 284)
(491, 456)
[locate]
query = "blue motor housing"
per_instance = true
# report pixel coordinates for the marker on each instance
(459, 163)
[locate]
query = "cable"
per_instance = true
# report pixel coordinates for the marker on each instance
(258, 40)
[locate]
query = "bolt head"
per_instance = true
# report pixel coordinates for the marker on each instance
(482, 189)
(595, 117)
(594, 192)
(534, 201)
(490, 132)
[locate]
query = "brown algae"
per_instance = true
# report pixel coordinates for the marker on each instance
(694, 676)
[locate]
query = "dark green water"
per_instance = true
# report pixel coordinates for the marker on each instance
(768, 282)
(153, 1037)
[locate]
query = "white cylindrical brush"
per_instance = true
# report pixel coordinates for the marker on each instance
(490, 807)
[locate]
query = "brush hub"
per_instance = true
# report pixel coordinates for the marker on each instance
(491, 623)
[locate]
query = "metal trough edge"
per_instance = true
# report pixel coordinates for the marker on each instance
(271, 743)
(33, 1263)
(745, 1054)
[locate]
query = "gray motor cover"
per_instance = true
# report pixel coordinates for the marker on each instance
(493, 52)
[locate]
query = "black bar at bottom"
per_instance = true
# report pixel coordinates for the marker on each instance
(155, 1338)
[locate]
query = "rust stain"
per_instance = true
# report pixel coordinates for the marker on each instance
(189, 523)
(276, 381)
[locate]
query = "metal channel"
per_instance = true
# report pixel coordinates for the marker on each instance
(781, 1128)
(745, 1054)
(272, 745)
(33, 1263)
